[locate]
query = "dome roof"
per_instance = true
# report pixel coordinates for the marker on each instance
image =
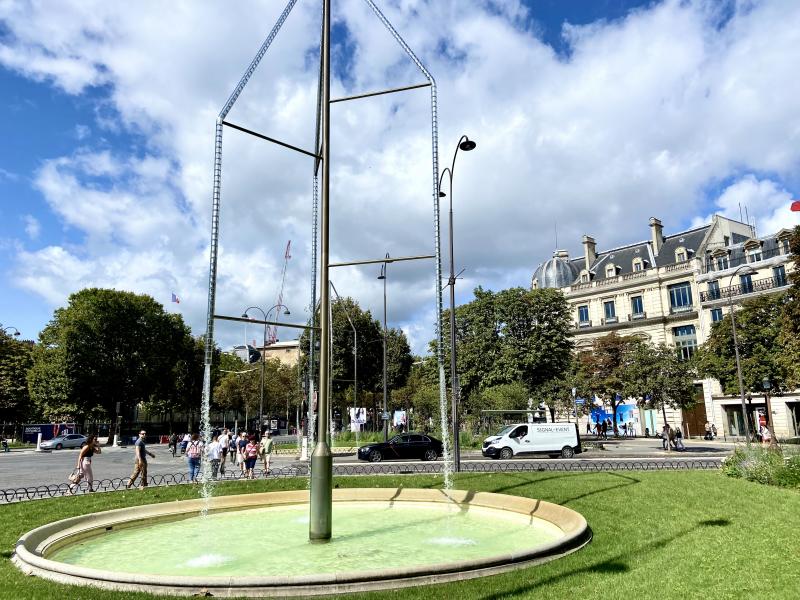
(555, 273)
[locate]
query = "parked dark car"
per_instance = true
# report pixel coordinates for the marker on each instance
(404, 446)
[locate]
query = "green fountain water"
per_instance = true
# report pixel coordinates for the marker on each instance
(273, 541)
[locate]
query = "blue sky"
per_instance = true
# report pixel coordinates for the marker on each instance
(593, 115)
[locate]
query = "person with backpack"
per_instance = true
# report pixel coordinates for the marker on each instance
(241, 444)
(173, 443)
(250, 456)
(214, 455)
(194, 450)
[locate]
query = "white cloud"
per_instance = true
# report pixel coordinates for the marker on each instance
(82, 131)
(32, 226)
(644, 115)
(765, 202)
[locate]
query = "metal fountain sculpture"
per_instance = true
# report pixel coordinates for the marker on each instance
(321, 457)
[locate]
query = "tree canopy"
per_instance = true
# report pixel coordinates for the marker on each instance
(107, 347)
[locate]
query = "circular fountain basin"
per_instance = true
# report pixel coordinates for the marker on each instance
(257, 544)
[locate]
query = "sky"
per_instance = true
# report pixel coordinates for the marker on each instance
(589, 118)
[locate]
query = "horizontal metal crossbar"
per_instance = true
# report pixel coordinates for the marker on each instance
(381, 93)
(380, 261)
(233, 473)
(260, 322)
(269, 139)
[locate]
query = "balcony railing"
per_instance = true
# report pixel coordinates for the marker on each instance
(680, 266)
(609, 320)
(584, 324)
(739, 290)
(681, 309)
(637, 316)
(711, 263)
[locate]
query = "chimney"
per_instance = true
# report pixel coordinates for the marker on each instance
(656, 234)
(562, 254)
(589, 251)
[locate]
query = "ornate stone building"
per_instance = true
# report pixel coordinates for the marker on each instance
(670, 289)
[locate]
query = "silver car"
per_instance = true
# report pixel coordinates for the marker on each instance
(65, 440)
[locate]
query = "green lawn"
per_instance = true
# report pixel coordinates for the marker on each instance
(690, 534)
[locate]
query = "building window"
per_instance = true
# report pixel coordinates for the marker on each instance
(680, 256)
(685, 340)
(713, 290)
(680, 297)
(779, 276)
(722, 263)
(583, 314)
(726, 240)
(584, 278)
(637, 264)
(610, 311)
(716, 315)
(611, 271)
(746, 283)
(783, 245)
(637, 306)
(754, 255)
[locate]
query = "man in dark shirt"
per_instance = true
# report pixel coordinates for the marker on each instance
(140, 464)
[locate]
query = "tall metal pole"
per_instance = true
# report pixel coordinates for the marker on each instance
(321, 505)
(453, 373)
(736, 352)
(385, 405)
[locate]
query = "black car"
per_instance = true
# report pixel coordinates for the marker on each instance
(404, 446)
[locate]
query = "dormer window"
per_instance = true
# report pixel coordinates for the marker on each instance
(680, 254)
(638, 265)
(611, 271)
(782, 239)
(585, 276)
(754, 255)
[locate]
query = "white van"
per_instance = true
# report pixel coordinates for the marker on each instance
(555, 439)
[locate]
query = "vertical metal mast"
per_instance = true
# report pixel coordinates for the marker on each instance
(321, 458)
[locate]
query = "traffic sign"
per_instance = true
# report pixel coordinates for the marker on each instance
(386, 416)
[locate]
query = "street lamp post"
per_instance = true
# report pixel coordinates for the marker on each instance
(748, 270)
(385, 406)
(263, 361)
(465, 144)
(5, 330)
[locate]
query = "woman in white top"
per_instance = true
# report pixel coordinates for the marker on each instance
(84, 466)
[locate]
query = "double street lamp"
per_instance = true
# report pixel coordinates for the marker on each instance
(465, 144)
(265, 315)
(746, 270)
(6, 330)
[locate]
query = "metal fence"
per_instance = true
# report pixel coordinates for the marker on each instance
(426, 468)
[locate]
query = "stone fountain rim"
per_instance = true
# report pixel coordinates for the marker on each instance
(33, 547)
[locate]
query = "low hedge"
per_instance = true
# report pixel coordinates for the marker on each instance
(763, 465)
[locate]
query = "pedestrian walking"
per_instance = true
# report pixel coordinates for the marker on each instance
(679, 440)
(631, 430)
(185, 442)
(224, 440)
(250, 455)
(624, 430)
(140, 463)
(766, 435)
(214, 455)
(241, 444)
(173, 443)
(84, 466)
(194, 450)
(4, 442)
(588, 426)
(605, 430)
(265, 450)
(232, 448)
(666, 435)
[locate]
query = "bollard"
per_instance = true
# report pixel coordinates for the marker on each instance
(39, 442)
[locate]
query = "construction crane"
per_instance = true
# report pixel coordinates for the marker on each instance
(272, 331)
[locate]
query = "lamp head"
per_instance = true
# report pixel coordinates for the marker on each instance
(381, 276)
(467, 145)
(287, 312)
(245, 316)
(442, 194)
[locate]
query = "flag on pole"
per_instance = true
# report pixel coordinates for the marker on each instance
(175, 299)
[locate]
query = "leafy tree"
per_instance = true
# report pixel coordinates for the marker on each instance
(608, 367)
(758, 330)
(657, 378)
(370, 351)
(107, 347)
(789, 337)
(15, 360)
(512, 336)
